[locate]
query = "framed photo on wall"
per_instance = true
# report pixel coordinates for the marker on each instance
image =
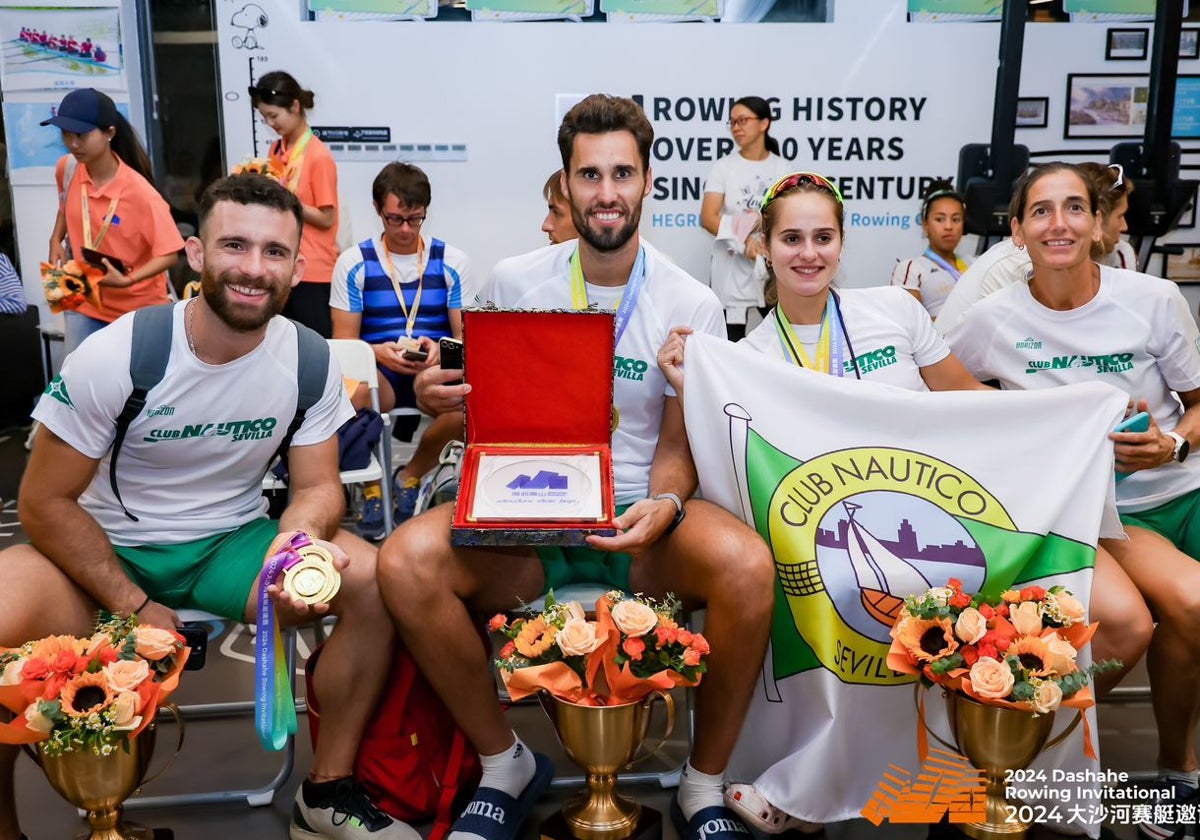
(1127, 44)
(1032, 111)
(1105, 106)
(1185, 267)
(1189, 43)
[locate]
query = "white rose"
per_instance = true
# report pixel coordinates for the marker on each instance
(574, 609)
(633, 618)
(991, 678)
(971, 626)
(1046, 697)
(124, 710)
(1026, 618)
(37, 721)
(1069, 606)
(12, 672)
(1062, 654)
(126, 674)
(577, 637)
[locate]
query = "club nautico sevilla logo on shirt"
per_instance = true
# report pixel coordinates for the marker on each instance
(872, 360)
(236, 430)
(625, 367)
(1104, 363)
(856, 530)
(58, 390)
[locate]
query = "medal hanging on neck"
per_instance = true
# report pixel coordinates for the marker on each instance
(295, 161)
(410, 316)
(629, 297)
(955, 270)
(831, 340)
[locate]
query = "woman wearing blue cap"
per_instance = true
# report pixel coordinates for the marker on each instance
(108, 204)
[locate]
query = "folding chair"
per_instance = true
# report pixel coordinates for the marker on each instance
(256, 796)
(357, 361)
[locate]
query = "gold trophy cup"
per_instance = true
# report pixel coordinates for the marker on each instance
(100, 784)
(604, 740)
(996, 740)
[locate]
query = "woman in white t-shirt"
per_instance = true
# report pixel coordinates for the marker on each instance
(931, 277)
(1112, 197)
(729, 211)
(1077, 320)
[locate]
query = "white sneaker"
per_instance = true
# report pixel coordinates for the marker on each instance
(347, 813)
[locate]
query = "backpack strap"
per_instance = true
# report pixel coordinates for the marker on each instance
(312, 372)
(451, 783)
(149, 352)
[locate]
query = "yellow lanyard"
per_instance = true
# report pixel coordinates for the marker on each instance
(295, 161)
(410, 318)
(88, 242)
(795, 348)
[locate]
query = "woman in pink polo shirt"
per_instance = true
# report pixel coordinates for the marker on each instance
(108, 203)
(307, 170)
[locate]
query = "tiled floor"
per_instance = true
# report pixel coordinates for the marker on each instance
(225, 753)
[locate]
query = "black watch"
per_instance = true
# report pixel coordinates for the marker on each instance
(679, 511)
(1182, 447)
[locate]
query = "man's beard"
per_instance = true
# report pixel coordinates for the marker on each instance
(241, 318)
(608, 239)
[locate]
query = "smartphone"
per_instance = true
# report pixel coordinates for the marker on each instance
(417, 355)
(95, 258)
(452, 355)
(195, 636)
(1139, 422)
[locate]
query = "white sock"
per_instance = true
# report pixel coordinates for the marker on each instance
(699, 790)
(1192, 777)
(509, 771)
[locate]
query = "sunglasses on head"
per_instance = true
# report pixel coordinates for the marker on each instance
(789, 181)
(1120, 175)
(261, 92)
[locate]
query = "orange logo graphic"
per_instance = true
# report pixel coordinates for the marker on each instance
(947, 784)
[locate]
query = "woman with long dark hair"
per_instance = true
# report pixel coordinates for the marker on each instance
(306, 168)
(729, 212)
(108, 204)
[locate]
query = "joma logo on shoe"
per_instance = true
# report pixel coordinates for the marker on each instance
(486, 810)
(717, 826)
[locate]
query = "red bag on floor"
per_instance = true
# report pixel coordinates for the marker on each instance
(413, 760)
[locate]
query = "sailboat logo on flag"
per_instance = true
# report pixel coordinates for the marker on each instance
(855, 531)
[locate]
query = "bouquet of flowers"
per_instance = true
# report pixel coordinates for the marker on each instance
(1017, 651)
(91, 693)
(635, 646)
(68, 286)
(259, 166)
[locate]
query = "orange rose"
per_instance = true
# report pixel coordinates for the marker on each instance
(691, 657)
(1061, 654)
(155, 643)
(126, 674)
(634, 647)
(633, 618)
(991, 678)
(498, 622)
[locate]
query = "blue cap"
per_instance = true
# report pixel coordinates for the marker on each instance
(84, 110)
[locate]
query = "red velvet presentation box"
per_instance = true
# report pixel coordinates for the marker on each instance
(542, 387)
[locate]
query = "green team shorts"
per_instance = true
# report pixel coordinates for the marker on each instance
(1178, 520)
(214, 574)
(564, 564)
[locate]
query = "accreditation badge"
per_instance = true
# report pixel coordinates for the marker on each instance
(312, 579)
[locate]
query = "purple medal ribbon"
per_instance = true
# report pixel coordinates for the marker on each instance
(274, 706)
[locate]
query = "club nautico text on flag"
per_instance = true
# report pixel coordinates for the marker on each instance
(867, 493)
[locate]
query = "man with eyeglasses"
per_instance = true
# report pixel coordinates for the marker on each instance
(400, 291)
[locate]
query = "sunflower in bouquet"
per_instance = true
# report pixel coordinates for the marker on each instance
(259, 166)
(70, 285)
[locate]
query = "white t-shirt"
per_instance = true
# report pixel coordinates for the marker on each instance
(669, 298)
(1136, 334)
(345, 292)
(743, 183)
(1001, 265)
(890, 333)
(923, 275)
(1122, 256)
(192, 463)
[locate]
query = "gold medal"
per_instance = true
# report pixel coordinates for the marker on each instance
(313, 580)
(406, 343)
(616, 418)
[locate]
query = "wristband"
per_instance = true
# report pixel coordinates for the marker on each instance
(680, 513)
(143, 606)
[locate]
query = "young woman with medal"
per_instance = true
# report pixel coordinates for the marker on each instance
(110, 212)
(306, 168)
(931, 277)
